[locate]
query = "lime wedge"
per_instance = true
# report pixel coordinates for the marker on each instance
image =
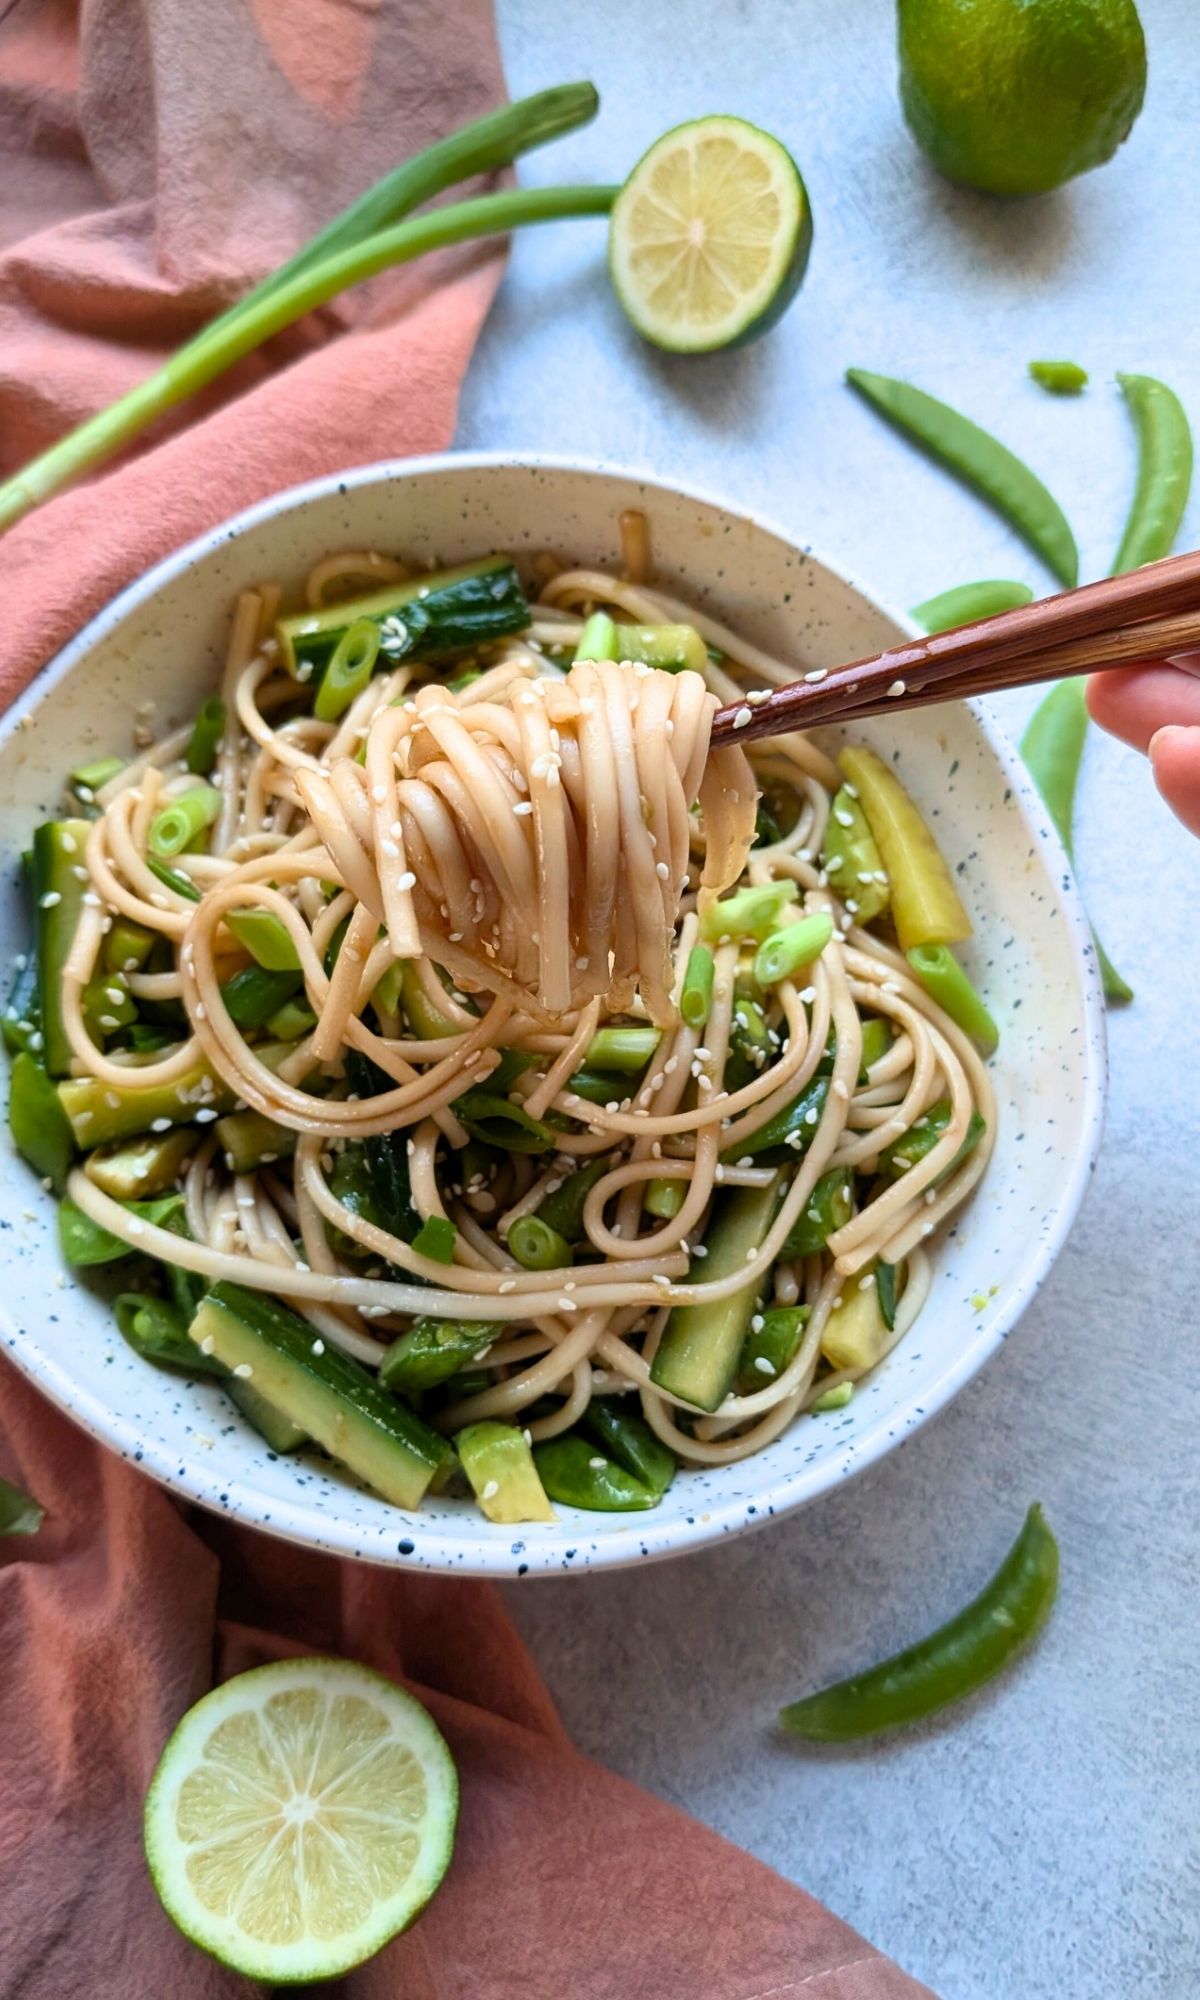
(301, 1815)
(709, 236)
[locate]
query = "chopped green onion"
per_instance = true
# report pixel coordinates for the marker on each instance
(348, 671)
(626, 1049)
(437, 1238)
(536, 1246)
(695, 1000)
(205, 740)
(266, 937)
(945, 981)
(178, 824)
(784, 952)
(598, 639)
(172, 879)
(751, 913)
(93, 777)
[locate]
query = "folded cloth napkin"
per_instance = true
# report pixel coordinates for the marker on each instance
(155, 157)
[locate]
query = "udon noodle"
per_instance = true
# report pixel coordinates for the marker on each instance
(477, 880)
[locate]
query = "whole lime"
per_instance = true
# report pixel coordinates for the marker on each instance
(1017, 96)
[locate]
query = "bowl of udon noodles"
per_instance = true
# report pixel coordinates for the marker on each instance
(462, 1119)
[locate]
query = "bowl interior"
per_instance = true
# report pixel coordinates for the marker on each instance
(154, 654)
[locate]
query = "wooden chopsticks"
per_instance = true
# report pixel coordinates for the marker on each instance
(1147, 615)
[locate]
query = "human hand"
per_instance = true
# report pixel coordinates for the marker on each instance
(1157, 709)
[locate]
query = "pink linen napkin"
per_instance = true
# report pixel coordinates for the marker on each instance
(156, 157)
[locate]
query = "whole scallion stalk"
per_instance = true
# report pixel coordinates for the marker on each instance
(365, 239)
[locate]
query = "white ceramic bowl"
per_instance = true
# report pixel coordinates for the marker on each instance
(161, 642)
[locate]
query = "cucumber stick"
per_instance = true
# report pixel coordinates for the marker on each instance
(325, 1393)
(698, 1354)
(427, 617)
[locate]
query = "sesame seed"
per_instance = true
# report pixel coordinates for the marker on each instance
(318, 1347)
(896, 688)
(406, 881)
(243, 1371)
(523, 808)
(160, 1124)
(742, 717)
(764, 1366)
(490, 1490)
(50, 898)
(597, 1464)
(817, 674)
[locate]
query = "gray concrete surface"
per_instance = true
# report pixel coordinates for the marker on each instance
(1040, 1843)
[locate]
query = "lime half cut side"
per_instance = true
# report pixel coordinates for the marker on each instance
(301, 1815)
(709, 236)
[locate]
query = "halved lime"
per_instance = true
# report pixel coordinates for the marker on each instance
(301, 1815)
(709, 236)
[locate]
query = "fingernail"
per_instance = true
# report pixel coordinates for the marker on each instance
(1188, 663)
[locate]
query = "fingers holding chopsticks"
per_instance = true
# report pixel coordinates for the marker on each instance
(1157, 710)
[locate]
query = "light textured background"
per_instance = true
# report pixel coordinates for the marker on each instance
(1042, 1842)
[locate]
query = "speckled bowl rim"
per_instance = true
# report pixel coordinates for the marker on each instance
(471, 1556)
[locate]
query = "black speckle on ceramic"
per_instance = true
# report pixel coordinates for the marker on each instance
(160, 644)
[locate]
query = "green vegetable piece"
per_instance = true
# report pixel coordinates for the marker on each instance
(88, 779)
(1052, 747)
(253, 995)
(292, 1021)
(437, 1238)
(204, 743)
(366, 238)
(430, 616)
(156, 1330)
(770, 1347)
(1164, 472)
(750, 1046)
(785, 953)
(19, 1515)
(562, 1209)
(833, 1399)
(966, 602)
(127, 946)
(58, 850)
(249, 1140)
(698, 1354)
(330, 1396)
(502, 1123)
(266, 938)
(912, 1146)
(748, 913)
(349, 670)
(885, 1288)
(146, 1166)
(179, 824)
(624, 1049)
(628, 1440)
(536, 1246)
(597, 1086)
(952, 1662)
(828, 1209)
(981, 462)
(22, 1016)
(86, 1242)
(876, 1041)
(926, 906)
(280, 1432)
(433, 1350)
(671, 648)
(425, 1019)
(851, 859)
(855, 1335)
(96, 1121)
(945, 981)
(789, 1134)
(502, 1472)
(664, 1198)
(40, 1129)
(386, 1157)
(575, 1474)
(598, 639)
(172, 878)
(1061, 378)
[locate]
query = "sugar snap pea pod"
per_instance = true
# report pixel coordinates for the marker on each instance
(952, 1662)
(789, 1134)
(885, 1290)
(58, 847)
(988, 467)
(576, 1474)
(562, 1208)
(204, 743)
(22, 1016)
(851, 859)
(829, 1207)
(431, 1351)
(966, 602)
(945, 981)
(876, 1041)
(172, 878)
(1164, 472)
(85, 1242)
(1062, 378)
(1052, 747)
(437, 1238)
(912, 1146)
(627, 1439)
(39, 1125)
(158, 1331)
(926, 906)
(769, 1346)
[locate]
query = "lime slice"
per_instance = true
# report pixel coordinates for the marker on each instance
(300, 1816)
(709, 236)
